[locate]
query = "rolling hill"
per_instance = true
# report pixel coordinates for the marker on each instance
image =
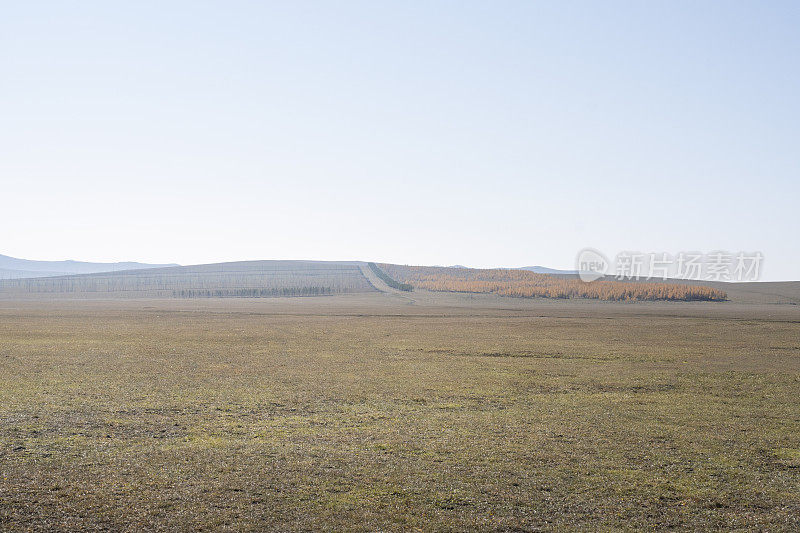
(258, 279)
(237, 279)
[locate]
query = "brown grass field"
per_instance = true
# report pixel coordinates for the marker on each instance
(383, 412)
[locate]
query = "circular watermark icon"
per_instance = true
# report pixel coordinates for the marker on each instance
(591, 264)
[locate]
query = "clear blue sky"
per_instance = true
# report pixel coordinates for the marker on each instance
(479, 133)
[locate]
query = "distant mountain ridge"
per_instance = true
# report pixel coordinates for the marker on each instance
(544, 270)
(15, 268)
(537, 269)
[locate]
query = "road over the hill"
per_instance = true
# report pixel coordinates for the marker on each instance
(381, 285)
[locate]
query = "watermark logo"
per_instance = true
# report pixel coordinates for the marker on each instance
(718, 265)
(591, 264)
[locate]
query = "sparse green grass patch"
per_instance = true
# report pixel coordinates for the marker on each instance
(147, 419)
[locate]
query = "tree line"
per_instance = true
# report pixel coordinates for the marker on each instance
(189, 282)
(526, 284)
(252, 293)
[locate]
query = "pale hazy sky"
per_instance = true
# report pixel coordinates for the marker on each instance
(480, 133)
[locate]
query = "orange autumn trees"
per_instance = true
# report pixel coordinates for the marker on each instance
(526, 284)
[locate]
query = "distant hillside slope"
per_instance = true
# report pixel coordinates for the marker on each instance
(240, 279)
(526, 284)
(754, 292)
(8, 273)
(751, 292)
(14, 268)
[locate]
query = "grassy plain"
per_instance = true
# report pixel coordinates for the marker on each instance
(383, 412)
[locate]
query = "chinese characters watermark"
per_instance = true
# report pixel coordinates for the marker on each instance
(718, 265)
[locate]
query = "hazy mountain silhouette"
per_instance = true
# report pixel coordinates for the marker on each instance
(14, 268)
(545, 270)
